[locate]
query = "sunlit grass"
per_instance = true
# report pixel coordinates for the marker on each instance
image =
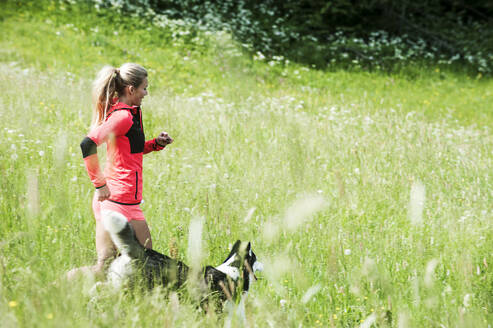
(362, 211)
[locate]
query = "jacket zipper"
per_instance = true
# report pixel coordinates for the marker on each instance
(136, 184)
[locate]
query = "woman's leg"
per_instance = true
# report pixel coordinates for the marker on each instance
(142, 232)
(104, 246)
(105, 250)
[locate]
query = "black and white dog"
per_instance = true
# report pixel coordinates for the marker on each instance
(158, 269)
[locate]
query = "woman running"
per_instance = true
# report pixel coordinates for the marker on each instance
(117, 121)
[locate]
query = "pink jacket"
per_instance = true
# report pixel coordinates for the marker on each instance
(123, 133)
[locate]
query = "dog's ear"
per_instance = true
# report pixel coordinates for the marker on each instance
(236, 246)
(234, 250)
(249, 247)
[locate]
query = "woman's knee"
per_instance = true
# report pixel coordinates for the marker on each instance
(142, 232)
(105, 253)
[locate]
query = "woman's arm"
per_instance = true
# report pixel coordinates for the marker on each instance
(158, 143)
(117, 124)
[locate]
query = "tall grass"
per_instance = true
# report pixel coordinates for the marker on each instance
(366, 205)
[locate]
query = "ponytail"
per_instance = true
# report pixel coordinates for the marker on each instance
(104, 90)
(110, 83)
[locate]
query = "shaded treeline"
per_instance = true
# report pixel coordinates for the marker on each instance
(368, 34)
(319, 31)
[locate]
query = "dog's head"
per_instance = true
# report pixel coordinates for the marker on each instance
(243, 262)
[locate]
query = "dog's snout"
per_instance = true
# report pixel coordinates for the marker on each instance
(258, 266)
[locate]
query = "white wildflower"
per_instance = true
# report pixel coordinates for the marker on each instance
(369, 321)
(195, 240)
(429, 273)
(303, 210)
(249, 214)
(467, 300)
(310, 293)
(416, 203)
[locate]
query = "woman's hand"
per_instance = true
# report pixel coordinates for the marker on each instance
(103, 193)
(163, 139)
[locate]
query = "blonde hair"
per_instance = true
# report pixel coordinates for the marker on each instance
(111, 83)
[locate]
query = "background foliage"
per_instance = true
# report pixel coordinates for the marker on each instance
(371, 33)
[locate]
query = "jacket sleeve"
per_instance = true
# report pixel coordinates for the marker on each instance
(151, 145)
(117, 124)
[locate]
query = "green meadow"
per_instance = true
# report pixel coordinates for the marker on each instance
(368, 196)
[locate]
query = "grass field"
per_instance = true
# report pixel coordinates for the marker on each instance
(367, 196)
